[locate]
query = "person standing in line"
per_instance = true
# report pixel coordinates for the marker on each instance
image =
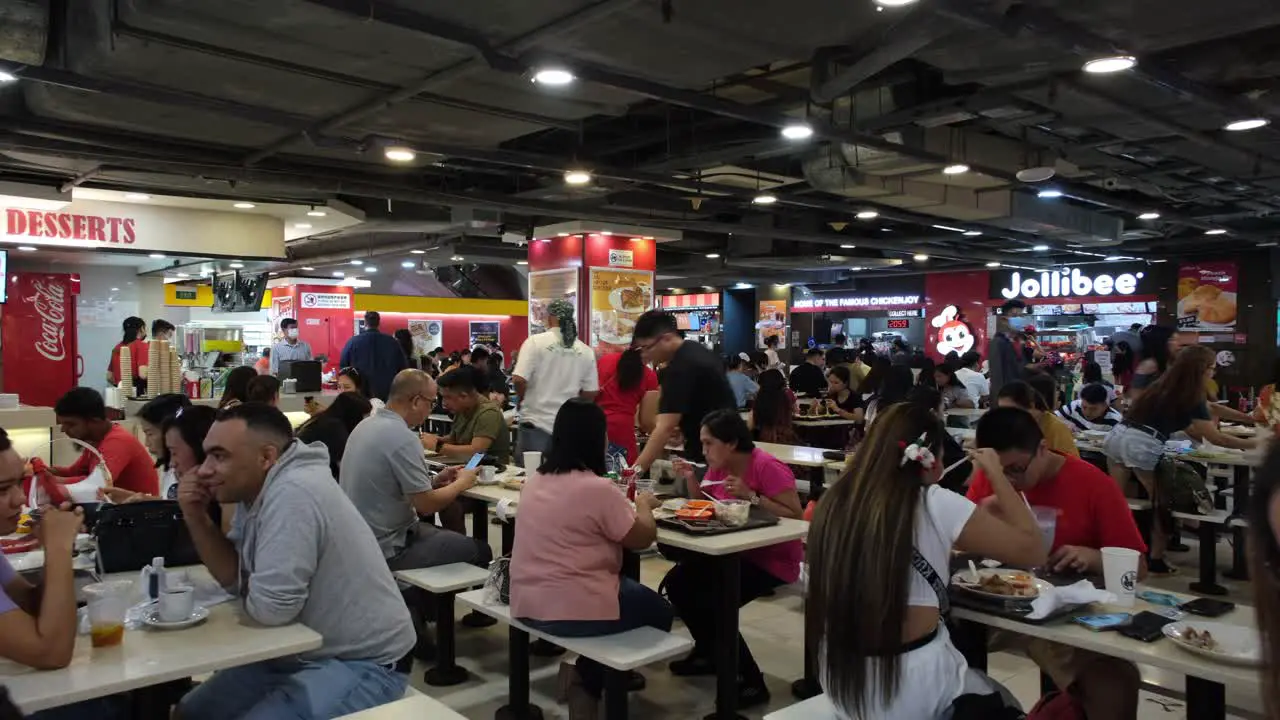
(405, 340)
(693, 385)
(376, 355)
(135, 338)
(553, 367)
(290, 347)
(628, 397)
(1005, 358)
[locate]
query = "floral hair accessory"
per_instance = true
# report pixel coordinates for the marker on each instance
(919, 451)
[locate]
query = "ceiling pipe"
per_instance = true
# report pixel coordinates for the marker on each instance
(913, 33)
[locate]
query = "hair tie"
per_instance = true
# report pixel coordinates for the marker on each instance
(919, 452)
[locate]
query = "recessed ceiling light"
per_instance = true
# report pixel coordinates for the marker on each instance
(417, 252)
(1268, 244)
(1246, 124)
(972, 233)
(371, 268)
(1215, 231)
(204, 273)
(797, 131)
(308, 268)
(919, 257)
(302, 226)
(7, 77)
(647, 237)
(183, 275)
(316, 213)
(357, 262)
(1114, 258)
(272, 274)
(577, 177)
(26, 248)
(948, 227)
(867, 215)
(782, 284)
(235, 265)
(894, 3)
(1115, 63)
(457, 258)
(848, 246)
(1149, 216)
(244, 206)
(955, 169)
(562, 234)
(339, 273)
(1159, 260)
(522, 262)
(712, 256)
(139, 197)
(856, 268)
(1049, 194)
(156, 256)
(993, 263)
(115, 289)
(764, 199)
(399, 153)
(407, 264)
(606, 232)
(1040, 248)
(553, 76)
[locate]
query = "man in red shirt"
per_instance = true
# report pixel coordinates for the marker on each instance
(82, 415)
(1092, 514)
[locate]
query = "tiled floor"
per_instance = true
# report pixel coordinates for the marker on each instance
(772, 627)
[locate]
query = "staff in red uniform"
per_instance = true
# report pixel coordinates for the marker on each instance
(135, 338)
(82, 415)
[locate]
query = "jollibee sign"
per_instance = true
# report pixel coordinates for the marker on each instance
(1074, 284)
(37, 224)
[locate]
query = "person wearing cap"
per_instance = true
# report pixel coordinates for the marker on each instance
(553, 366)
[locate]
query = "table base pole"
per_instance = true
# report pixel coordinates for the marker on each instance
(726, 650)
(805, 688)
(1208, 582)
(1206, 700)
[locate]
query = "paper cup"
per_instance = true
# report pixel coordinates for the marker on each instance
(1047, 521)
(531, 461)
(1120, 572)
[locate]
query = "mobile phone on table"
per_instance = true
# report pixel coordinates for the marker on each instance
(474, 462)
(1145, 626)
(1099, 623)
(1208, 607)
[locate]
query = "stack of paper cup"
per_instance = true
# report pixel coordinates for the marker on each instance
(155, 371)
(126, 371)
(1120, 571)
(175, 370)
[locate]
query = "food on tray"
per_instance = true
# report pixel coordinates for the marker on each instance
(697, 510)
(1201, 639)
(733, 513)
(512, 483)
(18, 545)
(24, 524)
(1014, 584)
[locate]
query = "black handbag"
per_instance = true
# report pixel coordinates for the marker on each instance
(129, 535)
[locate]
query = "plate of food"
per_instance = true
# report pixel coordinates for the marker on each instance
(1231, 644)
(1000, 584)
(697, 511)
(634, 299)
(510, 483)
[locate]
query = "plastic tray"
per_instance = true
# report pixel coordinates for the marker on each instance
(758, 519)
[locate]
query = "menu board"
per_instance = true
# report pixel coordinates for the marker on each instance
(427, 335)
(618, 298)
(485, 332)
(1207, 296)
(546, 286)
(772, 322)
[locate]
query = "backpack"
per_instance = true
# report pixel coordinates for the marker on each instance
(1182, 487)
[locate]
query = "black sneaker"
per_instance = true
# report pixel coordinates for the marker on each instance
(1160, 567)
(475, 619)
(692, 666)
(750, 696)
(1178, 547)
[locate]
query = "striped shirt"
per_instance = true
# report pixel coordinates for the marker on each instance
(1073, 414)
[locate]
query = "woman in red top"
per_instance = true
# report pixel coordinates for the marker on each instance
(624, 383)
(135, 334)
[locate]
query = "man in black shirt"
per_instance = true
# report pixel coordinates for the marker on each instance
(808, 378)
(694, 385)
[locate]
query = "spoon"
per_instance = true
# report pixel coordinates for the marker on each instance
(973, 573)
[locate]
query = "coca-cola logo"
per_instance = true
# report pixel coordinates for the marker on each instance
(49, 302)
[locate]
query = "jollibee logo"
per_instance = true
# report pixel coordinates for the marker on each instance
(953, 334)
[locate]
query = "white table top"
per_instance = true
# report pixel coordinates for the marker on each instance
(150, 657)
(967, 412)
(795, 454)
(410, 708)
(1161, 653)
(824, 422)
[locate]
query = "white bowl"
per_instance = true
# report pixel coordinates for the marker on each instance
(733, 513)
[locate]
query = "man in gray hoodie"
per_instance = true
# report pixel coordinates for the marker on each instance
(298, 551)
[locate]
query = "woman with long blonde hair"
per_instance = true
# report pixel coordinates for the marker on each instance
(880, 538)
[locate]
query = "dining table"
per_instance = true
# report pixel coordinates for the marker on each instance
(149, 657)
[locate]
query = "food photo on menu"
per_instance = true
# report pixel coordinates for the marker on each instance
(1207, 297)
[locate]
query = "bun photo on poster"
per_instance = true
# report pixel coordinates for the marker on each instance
(1207, 298)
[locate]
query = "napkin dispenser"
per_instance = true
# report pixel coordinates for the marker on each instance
(306, 372)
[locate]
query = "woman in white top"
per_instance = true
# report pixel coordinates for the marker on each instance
(771, 352)
(885, 652)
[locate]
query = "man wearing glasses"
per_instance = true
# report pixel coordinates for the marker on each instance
(694, 385)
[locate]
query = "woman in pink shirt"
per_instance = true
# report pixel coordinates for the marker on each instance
(567, 559)
(748, 473)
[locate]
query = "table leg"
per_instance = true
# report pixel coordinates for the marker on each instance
(817, 480)
(970, 639)
(726, 650)
(1239, 559)
(1240, 490)
(479, 519)
(615, 695)
(807, 686)
(508, 535)
(446, 670)
(518, 706)
(1208, 582)
(1206, 700)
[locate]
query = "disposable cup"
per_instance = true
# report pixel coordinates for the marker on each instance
(108, 602)
(1120, 572)
(532, 460)
(644, 484)
(1047, 520)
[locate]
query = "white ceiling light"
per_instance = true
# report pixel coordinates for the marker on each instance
(308, 268)
(156, 256)
(316, 213)
(407, 264)
(302, 226)
(522, 262)
(399, 153)
(948, 227)
(235, 265)
(577, 177)
(339, 273)
(553, 76)
(848, 246)
(1149, 216)
(893, 3)
(712, 256)
(1216, 231)
(457, 258)
(1040, 248)
(919, 257)
(357, 262)
(244, 206)
(371, 268)
(1049, 194)
(7, 77)
(606, 232)
(137, 197)
(1115, 63)
(743, 286)
(1246, 124)
(993, 264)
(867, 215)
(115, 289)
(1114, 258)
(797, 131)
(562, 234)
(183, 275)
(1268, 244)
(955, 169)
(26, 248)
(417, 252)
(973, 233)
(1036, 174)
(764, 199)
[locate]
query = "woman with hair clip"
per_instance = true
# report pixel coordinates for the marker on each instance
(350, 380)
(625, 387)
(152, 417)
(1175, 402)
(877, 617)
(1264, 558)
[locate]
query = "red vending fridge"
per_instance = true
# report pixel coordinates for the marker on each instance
(41, 358)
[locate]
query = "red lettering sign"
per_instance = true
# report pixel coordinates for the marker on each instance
(69, 226)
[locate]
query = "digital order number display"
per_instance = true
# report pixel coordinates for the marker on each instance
(899, 324)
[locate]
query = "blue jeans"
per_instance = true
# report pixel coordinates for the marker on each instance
(638, 606)
(293, 688)
(105, 708)
(531, 439)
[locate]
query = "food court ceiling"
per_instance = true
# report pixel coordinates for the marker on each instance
(676, 112)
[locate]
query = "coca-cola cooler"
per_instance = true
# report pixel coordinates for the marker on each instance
(41, 358)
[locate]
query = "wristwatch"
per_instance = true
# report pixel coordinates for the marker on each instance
(755, 499)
